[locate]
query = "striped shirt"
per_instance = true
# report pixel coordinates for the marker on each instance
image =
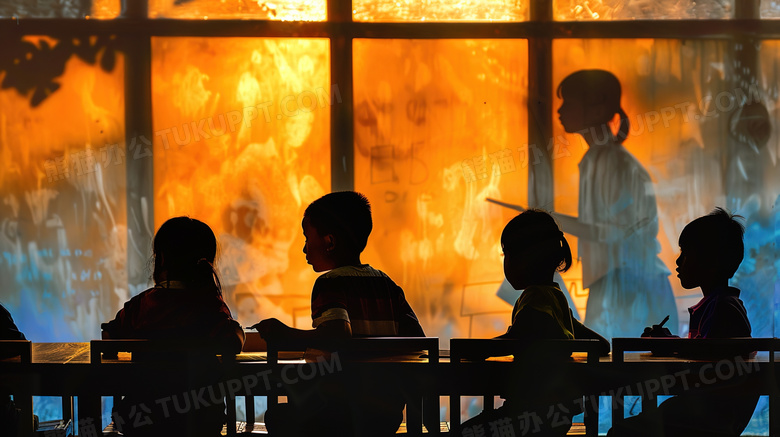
(366, 298)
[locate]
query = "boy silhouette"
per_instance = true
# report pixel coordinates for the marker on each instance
(711, 250)
(351, 299)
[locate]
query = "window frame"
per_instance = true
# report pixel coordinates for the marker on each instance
(136, 29)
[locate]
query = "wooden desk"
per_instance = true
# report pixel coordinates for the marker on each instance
(662, 375)
(59, 369)
(640, 374)
(64, 369)
(46, 375)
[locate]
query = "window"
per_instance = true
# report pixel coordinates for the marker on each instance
(115, 117)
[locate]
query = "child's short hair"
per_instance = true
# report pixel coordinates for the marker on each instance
(345, 215)
(717, 238)
(536, 231)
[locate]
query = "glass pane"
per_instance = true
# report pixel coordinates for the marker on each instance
(440, 10)
(762, 240)
(700, 128)
(62, 216)
(770, 9)
(242, 143)
(284, 10)
(587, 10)
(97, 9)
(669, 152)
(699, 136)
(439, 126)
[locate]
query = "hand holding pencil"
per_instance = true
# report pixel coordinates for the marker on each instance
(659, 330)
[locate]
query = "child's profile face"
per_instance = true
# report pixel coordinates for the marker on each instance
(516, 270)
(691, 269)
(317, 248)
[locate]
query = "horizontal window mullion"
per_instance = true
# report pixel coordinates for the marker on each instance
(684, 29)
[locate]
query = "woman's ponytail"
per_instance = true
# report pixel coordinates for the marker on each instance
(622, 133)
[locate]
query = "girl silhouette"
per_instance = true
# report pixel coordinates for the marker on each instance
(534, 250)
(185, 302)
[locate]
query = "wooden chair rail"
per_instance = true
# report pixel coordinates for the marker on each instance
(417, 403)
(65, 370)
(463, 348)
(710, 346)
(705, 349)
(23, 349)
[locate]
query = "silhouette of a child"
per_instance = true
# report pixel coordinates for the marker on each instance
(185, 302)
(534, 249)
(351, 299)
(711, 250)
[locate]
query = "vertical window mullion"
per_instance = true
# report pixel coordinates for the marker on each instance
(540, 176)
(341, 110)
(135, 9)
(138, 127)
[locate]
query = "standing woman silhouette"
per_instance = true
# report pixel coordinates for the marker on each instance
(617, 223)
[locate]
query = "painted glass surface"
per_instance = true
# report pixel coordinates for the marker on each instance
(96, 9)
(64, 232)
(439, 126)
(605, 10)
(701, 129)
(439, 10)
(770, 9)
(284, 10)
(242, 143)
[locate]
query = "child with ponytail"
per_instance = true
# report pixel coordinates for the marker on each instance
(534, 249)
(185, 302)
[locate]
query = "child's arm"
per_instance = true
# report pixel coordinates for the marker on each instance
(409, 325)
(114, 328)
(572, 225)
(569, 224)
(582, 332)
(234, 334)
(273, 329)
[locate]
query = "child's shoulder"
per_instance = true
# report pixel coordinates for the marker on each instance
(142, 296)
(541, 291)
(540, 296)
(729, 303)
(361, 271)
(726, 299)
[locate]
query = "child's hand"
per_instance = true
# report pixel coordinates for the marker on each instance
(657, 331)
(270, 329)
